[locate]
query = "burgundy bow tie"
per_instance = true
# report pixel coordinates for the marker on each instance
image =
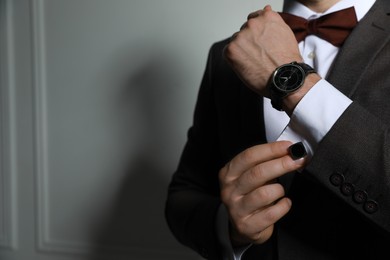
(334, 27)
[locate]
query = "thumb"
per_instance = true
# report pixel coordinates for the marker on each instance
(267, 8)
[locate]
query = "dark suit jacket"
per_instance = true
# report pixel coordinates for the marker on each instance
(341, 202)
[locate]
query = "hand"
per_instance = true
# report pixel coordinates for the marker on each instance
(264, 42)
(253, 198)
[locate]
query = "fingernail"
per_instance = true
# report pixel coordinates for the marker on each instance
(297, 151)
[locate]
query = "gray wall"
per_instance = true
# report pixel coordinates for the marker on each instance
(96, 98)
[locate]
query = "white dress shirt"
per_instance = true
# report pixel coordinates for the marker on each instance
(315, 114)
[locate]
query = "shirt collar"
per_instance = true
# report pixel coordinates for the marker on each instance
(296, 8)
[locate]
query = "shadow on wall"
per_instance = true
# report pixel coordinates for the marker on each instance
(135, 227)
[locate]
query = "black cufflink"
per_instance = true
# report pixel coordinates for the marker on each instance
(297, 151)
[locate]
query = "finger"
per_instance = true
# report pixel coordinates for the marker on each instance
(267, 8)
(253, 156)
(254, 14)
(243, 26)
(260, 221)
(264, 235)
(260, 198)
(263, 173)
(233, 37)
(255, 226)
(241, 238)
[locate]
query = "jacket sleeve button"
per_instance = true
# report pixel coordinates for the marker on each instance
(337, 179)
(347, 189)
(360, 196)
(370, 206)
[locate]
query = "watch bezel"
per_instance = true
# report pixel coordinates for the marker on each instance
(283, 90)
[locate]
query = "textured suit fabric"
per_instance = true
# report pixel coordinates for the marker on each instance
(327, 220)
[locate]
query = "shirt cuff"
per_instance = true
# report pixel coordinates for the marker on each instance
(229, 253)
(315, 115)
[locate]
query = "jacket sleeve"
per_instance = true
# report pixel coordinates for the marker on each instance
(193, 194)
(353, 161)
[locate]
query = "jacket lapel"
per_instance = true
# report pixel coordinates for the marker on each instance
(360, 49)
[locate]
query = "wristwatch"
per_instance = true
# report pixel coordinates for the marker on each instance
(287, 79)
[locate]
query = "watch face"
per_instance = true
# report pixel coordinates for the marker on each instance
(288, 78)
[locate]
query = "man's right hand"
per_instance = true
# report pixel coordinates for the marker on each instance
(253, 198)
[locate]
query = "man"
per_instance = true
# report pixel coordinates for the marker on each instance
(240, 190)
